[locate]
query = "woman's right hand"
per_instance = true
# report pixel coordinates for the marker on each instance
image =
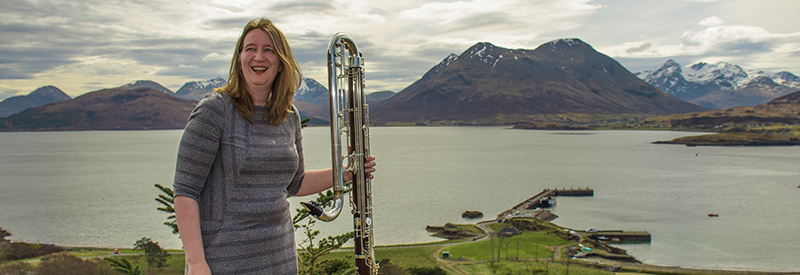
(198, 269)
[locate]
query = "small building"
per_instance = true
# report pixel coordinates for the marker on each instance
(508, 231)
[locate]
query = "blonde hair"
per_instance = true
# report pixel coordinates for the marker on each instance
(279, 103)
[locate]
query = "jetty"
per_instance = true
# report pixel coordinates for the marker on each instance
(543, 199)
(620, 236)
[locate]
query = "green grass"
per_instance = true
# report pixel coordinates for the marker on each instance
(175, 264)
(528, 267)
(404, 256)
(528, 245)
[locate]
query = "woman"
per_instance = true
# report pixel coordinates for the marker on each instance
(240, 155)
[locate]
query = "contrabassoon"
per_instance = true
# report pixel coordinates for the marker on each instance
(349, 115)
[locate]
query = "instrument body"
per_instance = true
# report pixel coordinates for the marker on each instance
(349, 115)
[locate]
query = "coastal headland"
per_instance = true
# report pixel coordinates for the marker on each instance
(593, 248)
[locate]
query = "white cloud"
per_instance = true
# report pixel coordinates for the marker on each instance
(118, 41)
(717, 35)
(217, 57)
(711, 21)
(506, 23)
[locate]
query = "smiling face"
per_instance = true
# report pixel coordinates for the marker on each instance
(259, 64)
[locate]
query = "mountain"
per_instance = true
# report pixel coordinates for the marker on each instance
(487, 84)
(39, 97)
(319, 115)
(719, 86)
(380, 95)
(142, 108)
(196, 90)
(312, 92)
(148, 84)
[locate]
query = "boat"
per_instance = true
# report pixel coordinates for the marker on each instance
(549, 201)
(713, 215)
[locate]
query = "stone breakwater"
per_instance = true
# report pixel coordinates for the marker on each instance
(546, 198)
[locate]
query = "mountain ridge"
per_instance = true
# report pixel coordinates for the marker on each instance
(142, 108)
(721, 85)
(41, 96)
(487, 84)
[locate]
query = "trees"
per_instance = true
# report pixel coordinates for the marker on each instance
(154, 254)
(313, 251)
(71, 265)
(168, 200)
(123, 266)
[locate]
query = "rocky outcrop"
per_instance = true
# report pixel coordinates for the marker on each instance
(472, 214)
(453, 231)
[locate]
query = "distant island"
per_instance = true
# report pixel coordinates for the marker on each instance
(775, 123)
(550, 126)
(735, 139)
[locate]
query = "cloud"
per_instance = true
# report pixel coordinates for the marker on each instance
(76, 45)
(508, 23)
(711, 21)
(725, 35)
(640, 48)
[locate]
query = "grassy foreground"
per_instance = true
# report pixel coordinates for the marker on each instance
(539, 249)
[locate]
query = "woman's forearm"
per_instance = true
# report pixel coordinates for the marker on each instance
(187, 214)
(316, 181)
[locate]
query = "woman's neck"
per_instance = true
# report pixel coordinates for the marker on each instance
(259, 98)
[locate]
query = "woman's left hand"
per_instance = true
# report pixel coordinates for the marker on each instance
(369, 166)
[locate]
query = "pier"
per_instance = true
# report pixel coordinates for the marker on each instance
(546, 198)
(532, 208)
(620, 236)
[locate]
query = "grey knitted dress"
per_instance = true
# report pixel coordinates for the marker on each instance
(240, 174)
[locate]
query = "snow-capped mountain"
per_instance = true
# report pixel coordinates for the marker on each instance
(309, 91)
(490, 85)
(39, 97)
(312, 92)
(720, 85)
(148, 84)
(195, 90)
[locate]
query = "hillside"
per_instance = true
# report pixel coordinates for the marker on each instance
(563, 80)
(319, 115)
(776, 122)
(110, 109)
(782, 110)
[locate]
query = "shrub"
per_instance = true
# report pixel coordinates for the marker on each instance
(17, 269)
(19, 251)
(426, 271)
(71, 265)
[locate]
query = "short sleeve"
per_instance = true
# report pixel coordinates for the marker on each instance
(198, 147)
(297, 181)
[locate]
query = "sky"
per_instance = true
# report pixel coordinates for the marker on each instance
(81, 46)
